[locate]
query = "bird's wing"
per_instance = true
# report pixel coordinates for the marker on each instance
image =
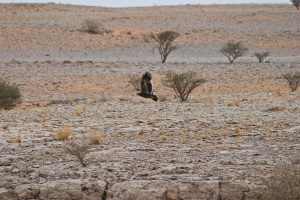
(143, 87)
(146, 86)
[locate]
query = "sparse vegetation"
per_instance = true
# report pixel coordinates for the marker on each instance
(93, 27)
(233, 50)
(95, 137)
(78, 110)
(284, 183)
(165, 40)
(9, 95)
(296, 3)
(261, 56)
(79, 149)
(5, 126)
(293, 80)
(63, 132)
(183, 83)
(135, 81)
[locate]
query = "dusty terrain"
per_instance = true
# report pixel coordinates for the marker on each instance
(220, 144)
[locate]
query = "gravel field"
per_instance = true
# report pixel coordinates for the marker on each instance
(222, 143)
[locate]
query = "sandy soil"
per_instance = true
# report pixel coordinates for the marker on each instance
(235, 128)
(39, 32)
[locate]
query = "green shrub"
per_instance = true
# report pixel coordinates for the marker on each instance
(261, 56)
(9, 95)
(232, 50)
(165, 40)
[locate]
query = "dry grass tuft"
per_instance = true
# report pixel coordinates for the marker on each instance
(43, 119)
(163, 97)
(165, 138)
(63, 132)
(95, 137)
(196, 100)
(204, 135)
(152, 122)
(223, 133)
(78, 110)
(184, 138)
(238, 140)
(223, 146)
(208, 99)
(5, 126)
(142, 131)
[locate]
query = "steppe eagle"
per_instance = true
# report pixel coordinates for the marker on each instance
(146, 87)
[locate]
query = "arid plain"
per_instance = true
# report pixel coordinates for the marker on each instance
(223, 143)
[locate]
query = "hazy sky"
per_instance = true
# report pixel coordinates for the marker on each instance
(126, 3)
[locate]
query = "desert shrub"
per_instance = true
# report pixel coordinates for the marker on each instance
(293, 80)
(63, 132)
(182, 83)
(135, 81)
(9, 95)
(296, 3)
(91, 26)
(261, 56)
(165, 40)
(284, 183)
(79, 149)
(233, 50)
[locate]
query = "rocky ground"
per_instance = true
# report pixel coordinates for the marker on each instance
(220, 144)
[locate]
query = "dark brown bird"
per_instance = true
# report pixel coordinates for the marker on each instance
(146, 87)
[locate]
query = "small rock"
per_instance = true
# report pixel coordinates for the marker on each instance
(5, 162)
(15, 170)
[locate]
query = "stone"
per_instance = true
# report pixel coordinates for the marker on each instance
(5, 162)
(62, 189)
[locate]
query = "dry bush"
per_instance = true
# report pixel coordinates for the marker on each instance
(233, 50)
(63, 132)
(95, 137)
(296, 3)
(79, 149)
(91, 26)
(94, 27)
(182, 83)
(135, 81)
(284, 183)
(165, 40)
(261, 56)
(293, 80)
